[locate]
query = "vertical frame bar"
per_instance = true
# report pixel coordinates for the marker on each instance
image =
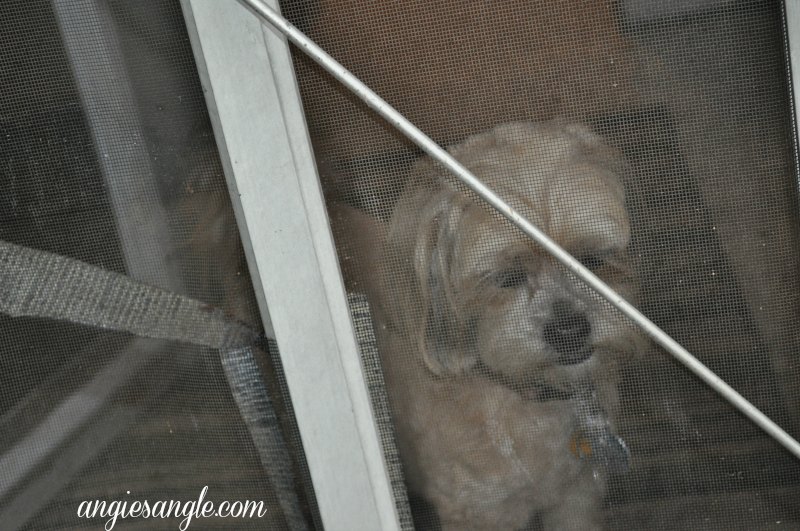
(792, 17)
(256, 112)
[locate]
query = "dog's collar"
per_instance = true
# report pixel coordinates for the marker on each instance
(529, 390)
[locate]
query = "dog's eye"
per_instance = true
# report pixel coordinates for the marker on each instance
(511, 278)
(592, 262)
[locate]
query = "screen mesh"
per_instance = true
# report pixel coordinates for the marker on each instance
(652, 142)
(107, 156)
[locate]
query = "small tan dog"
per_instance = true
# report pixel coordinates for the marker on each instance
(501, 367)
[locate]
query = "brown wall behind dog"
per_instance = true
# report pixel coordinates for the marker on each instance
(455, 68)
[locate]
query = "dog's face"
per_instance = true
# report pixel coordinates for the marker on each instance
(487, 296)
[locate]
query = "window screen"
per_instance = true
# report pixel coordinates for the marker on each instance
(107, 158)
(653, 142)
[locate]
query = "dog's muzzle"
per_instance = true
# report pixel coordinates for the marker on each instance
(568, 333)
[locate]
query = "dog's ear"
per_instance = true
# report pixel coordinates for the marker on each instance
(444, 336)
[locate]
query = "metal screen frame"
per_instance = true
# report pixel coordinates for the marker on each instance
(255, 108)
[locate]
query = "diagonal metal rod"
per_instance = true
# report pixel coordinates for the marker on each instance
(264, 12)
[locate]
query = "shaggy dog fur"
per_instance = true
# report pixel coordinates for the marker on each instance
(501, 367)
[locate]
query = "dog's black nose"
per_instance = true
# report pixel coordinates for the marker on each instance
(567, 333)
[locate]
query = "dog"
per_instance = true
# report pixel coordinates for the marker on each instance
(501, 367)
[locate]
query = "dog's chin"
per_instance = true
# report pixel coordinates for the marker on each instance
(574, 357)
(548, 372)
(560, 372)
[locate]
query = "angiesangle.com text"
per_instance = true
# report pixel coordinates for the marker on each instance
(114, 510)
